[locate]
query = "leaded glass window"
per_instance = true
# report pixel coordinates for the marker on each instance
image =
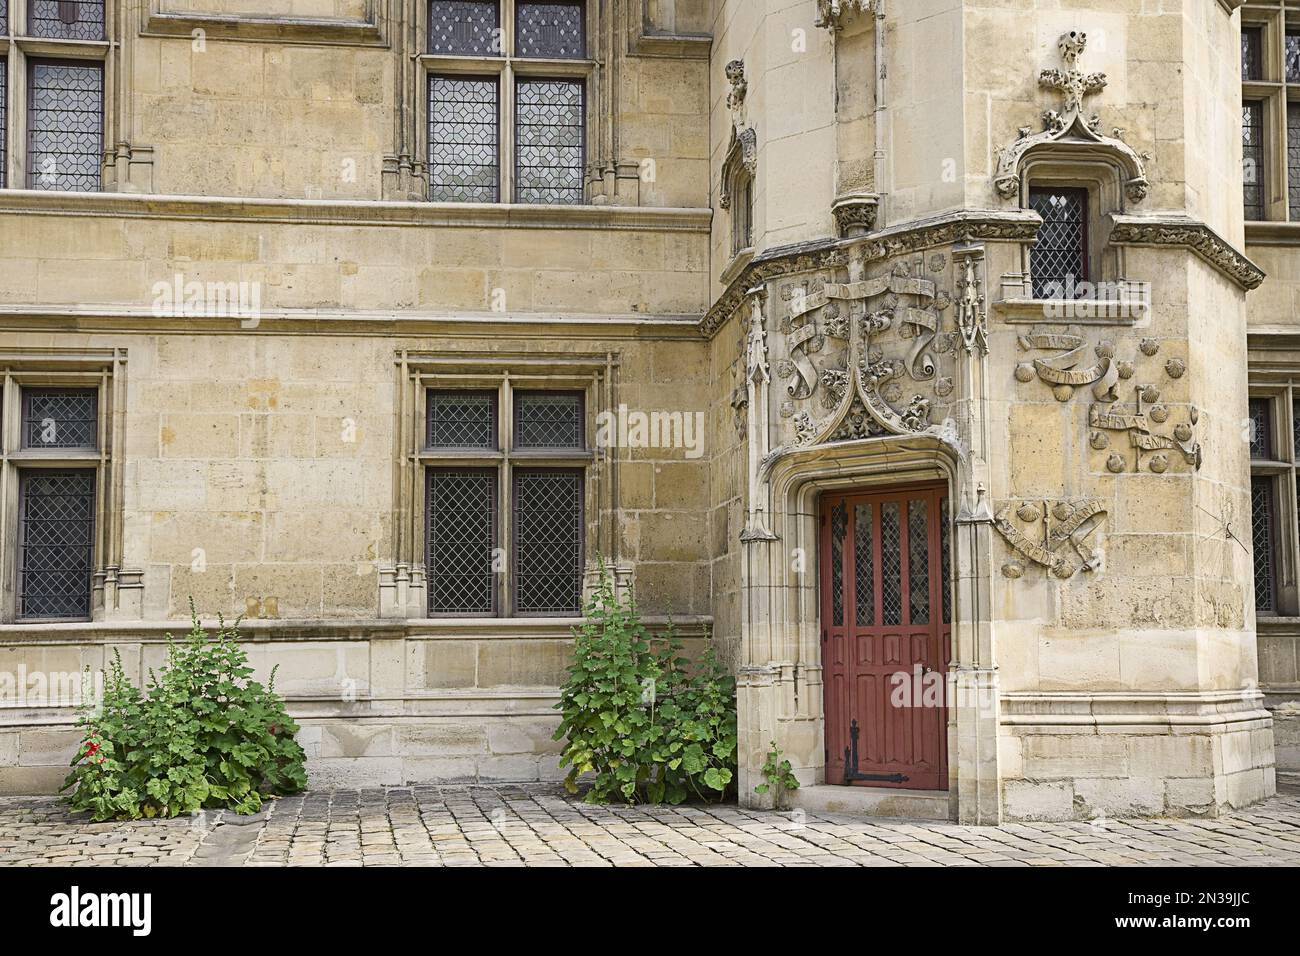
(553, 28)
(548, 420)
(742, 212)
(1252, 52)
(465, 28)
(891, 583)
(1291, 64)
(1262, 534)
(504, 518)
(4, 116)
(463, 144)
(1058, 262)
(462, 536)
(549, 141)
(60, 418)
(864, 575)
(1261, 429)
(548, 542)
(55, 543)
(1293, 158)
(1252, 158)
(66, 19)
(65, 125)
(839, 528)
(462, 419)
(918, 562)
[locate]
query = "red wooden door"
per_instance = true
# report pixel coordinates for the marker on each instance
(885, 618)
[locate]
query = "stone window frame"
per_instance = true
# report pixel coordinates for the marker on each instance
(508, 68)
(1275, 19)
(18, 51)
(1101, 174)
(403, 582)
(115, 592)
(1282, 468)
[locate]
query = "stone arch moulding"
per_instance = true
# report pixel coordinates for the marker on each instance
(1066, 131)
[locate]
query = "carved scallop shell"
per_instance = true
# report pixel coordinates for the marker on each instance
(943, 387)
(1062, 510)
(1159, 464)
(1124, 369)
(1025, 372)
(1150, 394)
(1013, 569)
(1175, 368)
(1099, 440)
(1183, 431)
(1105, 349)
(1159, 413)
(1115, 464)
(1149, 346)
(1028, 513)
(1063, 392)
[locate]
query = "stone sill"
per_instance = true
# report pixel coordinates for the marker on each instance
(316, 31)
(479, 628)
(355, 212)
(1095, 311)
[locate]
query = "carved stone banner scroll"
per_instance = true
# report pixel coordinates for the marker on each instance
(1076, 364)
(1061, 527)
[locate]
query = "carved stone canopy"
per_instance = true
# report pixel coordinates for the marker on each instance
(1068, 126)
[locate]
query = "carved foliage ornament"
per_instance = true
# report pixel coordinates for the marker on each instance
(832, 14)
(1068, 125)
(1053, 535)
(860, 358)
(744, 141)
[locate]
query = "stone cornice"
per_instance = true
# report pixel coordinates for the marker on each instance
(970, 225)
(365, 212)
(476, 326)
(1175, 230)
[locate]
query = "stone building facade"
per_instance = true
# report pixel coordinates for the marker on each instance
(921, 355)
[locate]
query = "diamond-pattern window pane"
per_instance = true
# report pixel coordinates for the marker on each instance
(1252, 52)
(1252, 158)
(550, 141)
(548, 420)
(56, 535)
(550, 29)
(918, 561)
(60, 418)
(945, 558)
(67, 19)
(1261, 532)
(1059, 260)
(462, 523)
(839, 526)
(464, 28)
(1295, 427)
(891, 539)
(1261, 428)
(1293, 158)
(4, 19)
(4, 115)
(463, 148)
(462, 419)
(548, 542)
(65, 125)
(864, 574)
(1292, 57)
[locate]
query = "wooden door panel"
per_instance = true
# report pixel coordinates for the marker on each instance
(884, 602)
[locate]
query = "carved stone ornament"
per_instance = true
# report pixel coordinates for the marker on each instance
(743, 149)
(858, 358)
(1074, 365)
(1054, 536)
(972, 317)
(1068, 125)
(833, 14)
(1190, 234)
(855, 213)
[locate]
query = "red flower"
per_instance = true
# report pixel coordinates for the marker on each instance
(91, 747)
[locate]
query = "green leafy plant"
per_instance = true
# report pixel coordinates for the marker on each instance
(778, 776)
(204, 736)
(638, 717)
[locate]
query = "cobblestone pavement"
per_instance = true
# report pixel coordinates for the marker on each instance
(542, 826)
